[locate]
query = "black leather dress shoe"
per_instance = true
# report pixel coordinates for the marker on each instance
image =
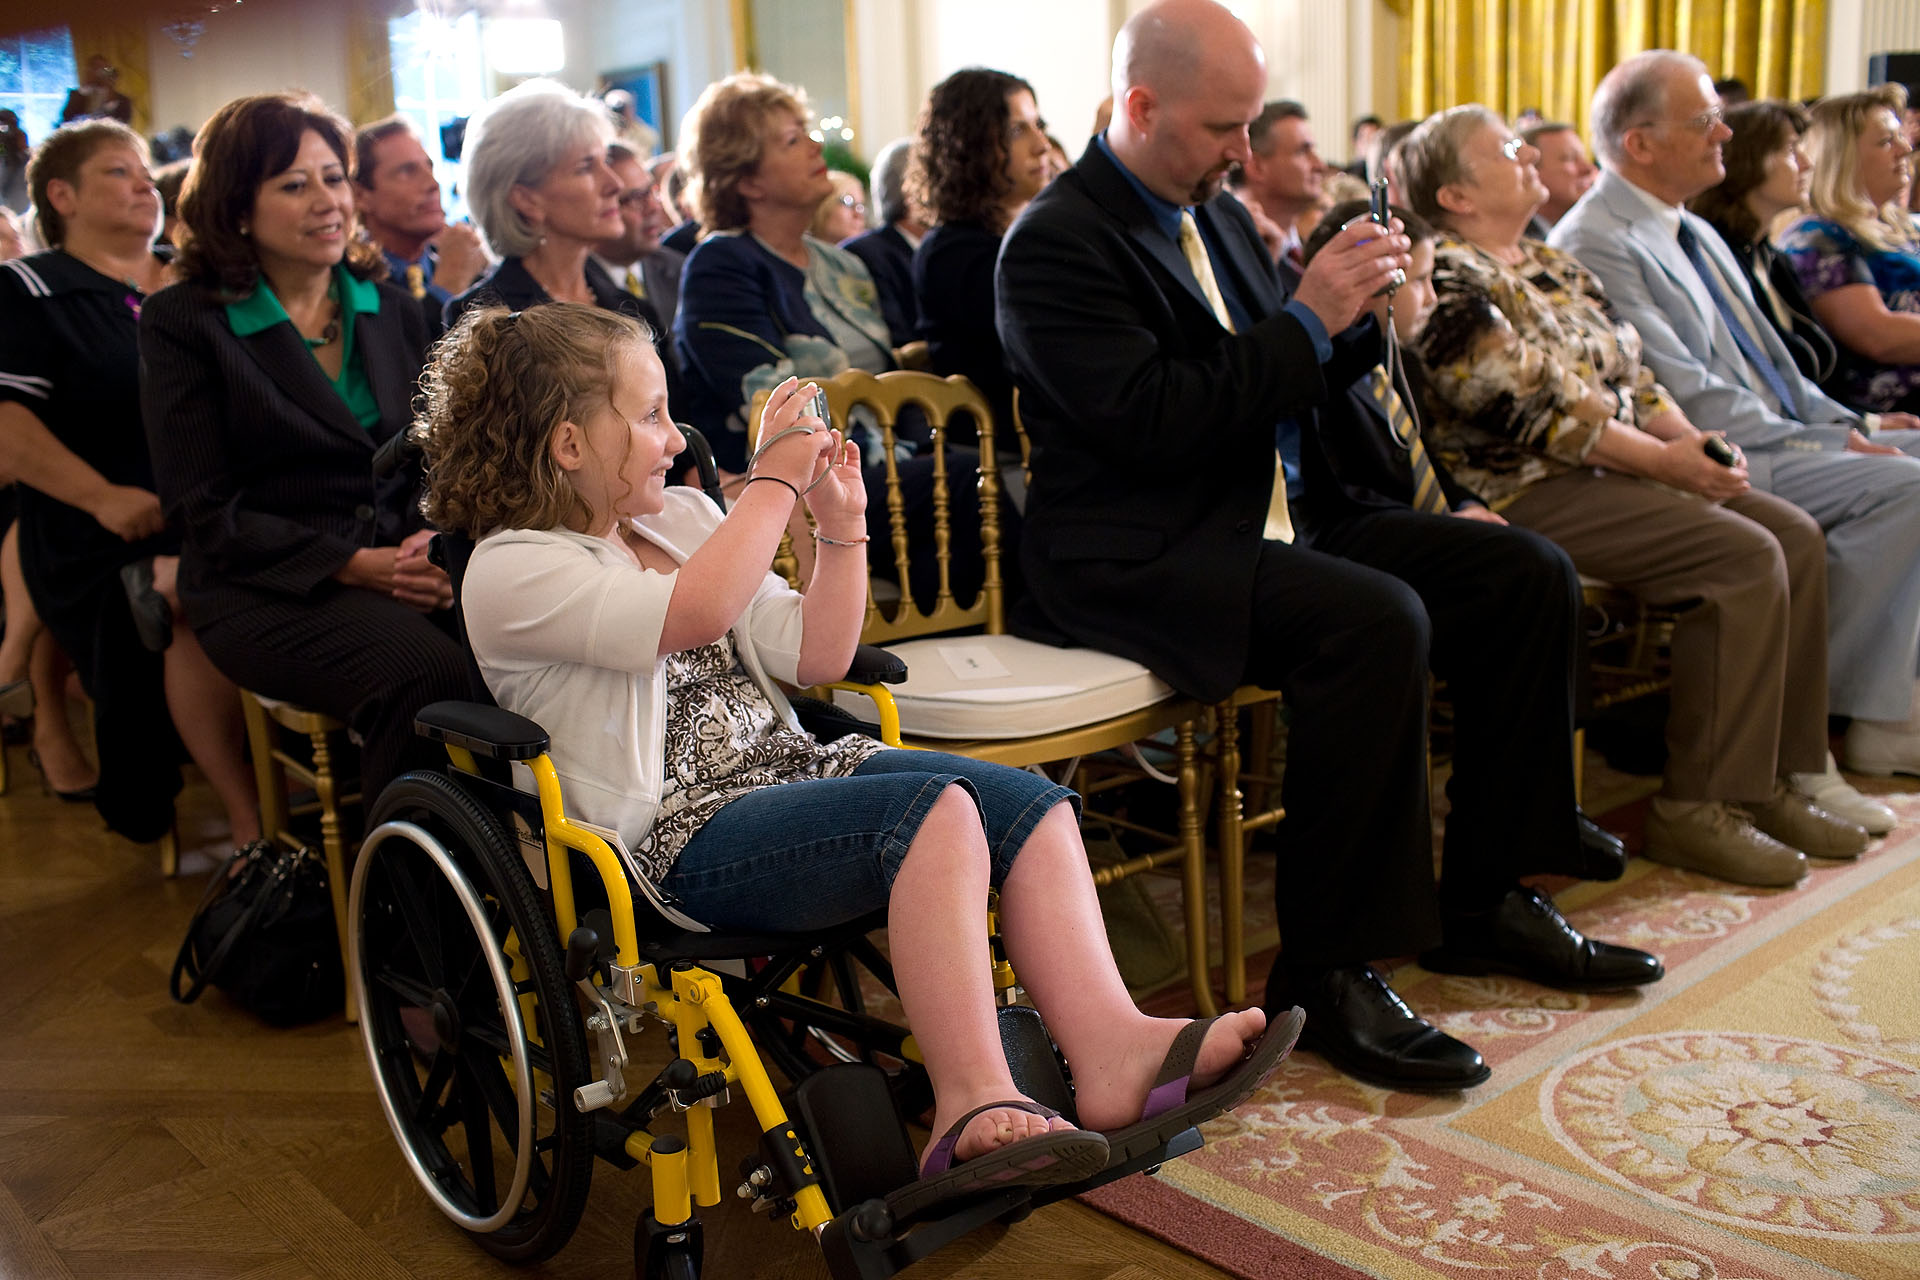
(1603, 855)
(1524, 935)
(1356, 1022)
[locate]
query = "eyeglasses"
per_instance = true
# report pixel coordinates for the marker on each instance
(636, 199)
(854, 203)
(1706, 122)
(1511, 147)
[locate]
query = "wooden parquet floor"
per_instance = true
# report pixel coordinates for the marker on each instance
(142, 1139)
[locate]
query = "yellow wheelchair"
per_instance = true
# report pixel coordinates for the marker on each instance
(504, 957)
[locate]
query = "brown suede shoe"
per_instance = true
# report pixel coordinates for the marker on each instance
(1800, 824)
(1716, 839)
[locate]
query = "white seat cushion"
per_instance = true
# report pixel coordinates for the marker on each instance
(1006, 687)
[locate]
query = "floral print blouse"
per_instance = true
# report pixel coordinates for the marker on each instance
(1512, 352)
(1826, 256)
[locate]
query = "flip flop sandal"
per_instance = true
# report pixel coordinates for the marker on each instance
(1171, 1110)
(1064, 1155)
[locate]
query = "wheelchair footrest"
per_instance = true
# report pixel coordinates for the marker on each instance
(1033, 1061)
(859, 1146)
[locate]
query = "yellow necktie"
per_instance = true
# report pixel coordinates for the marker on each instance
(635, 285)
(1427, 494)
(416, 280)
(1279, 523)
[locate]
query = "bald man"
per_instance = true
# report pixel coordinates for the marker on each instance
(1164, 366)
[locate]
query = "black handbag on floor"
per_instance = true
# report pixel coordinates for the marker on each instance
(264, 935)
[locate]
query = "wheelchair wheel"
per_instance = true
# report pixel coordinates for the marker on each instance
(472, 1030)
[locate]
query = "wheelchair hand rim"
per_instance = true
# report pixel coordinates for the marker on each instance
(503, 988)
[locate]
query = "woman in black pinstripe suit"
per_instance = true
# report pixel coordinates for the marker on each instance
(268, 378)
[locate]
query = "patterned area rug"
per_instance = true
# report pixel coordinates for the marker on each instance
(1753, 1116)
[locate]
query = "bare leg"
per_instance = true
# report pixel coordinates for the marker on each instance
(936, 917)
(66, 766)
(1057, 941)
(206, 711)
(23, 624)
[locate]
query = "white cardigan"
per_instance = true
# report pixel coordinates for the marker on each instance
(566, 629)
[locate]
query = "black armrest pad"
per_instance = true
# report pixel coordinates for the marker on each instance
(483, 730)
(874, 665)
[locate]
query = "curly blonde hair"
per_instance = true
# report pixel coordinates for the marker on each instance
(723, 139)
(498, 385)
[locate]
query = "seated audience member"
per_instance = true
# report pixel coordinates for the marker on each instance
(672, 177)
(14, 154)
(1058, 161)
(1565, 171)
(1141, 314)
(628, 128)
(540, 188)
(1540, 402)
(634, 259)
(1767, 175)
(1283, 174)
(268, 377)
(888, 248)
(1658, 129)
(1732, 91)
(761, 300)
(167, 180)
(638, 624)
(1382, 154)
(1857, 252)
(1359, 138)
(398, 199)
(91, 529)
(843, 214)
(98, 96)
(981, 155)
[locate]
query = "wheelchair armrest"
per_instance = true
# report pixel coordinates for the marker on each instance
(483, 730)
(874, 665)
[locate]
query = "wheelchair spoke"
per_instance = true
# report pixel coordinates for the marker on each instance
(473, 1108)
(422, 925)
(439, 1076)
(412, 992)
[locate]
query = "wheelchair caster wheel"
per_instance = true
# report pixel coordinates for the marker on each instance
(667, 1252)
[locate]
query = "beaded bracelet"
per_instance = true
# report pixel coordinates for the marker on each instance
(776, 480)
(840, 542)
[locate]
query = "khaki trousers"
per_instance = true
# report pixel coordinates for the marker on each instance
(1749, 699)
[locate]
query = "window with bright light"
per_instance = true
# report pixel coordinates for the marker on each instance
(36, 73)
(439, 77)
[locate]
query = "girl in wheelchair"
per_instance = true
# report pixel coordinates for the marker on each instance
(638, 623)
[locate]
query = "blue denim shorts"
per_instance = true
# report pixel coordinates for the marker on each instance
(809, 855)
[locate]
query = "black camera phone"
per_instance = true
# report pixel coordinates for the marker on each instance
(1377, 207)
(1719, 450)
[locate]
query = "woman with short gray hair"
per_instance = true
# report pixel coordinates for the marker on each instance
(542, 194)
(1538, 400)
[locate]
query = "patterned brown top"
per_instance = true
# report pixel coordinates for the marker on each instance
(1512, 352)
(725, 739)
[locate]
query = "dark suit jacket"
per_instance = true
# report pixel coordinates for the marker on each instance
(1350, 462)
(258, 460)
(1153, 426)
(1808, 342)
(953, 294)
(889, 260)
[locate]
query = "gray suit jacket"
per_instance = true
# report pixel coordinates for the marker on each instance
(1687, 343)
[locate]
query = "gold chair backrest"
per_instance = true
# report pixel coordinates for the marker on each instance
(885, 395)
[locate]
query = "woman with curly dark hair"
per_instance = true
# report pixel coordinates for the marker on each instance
(268, 377)
(980, 156)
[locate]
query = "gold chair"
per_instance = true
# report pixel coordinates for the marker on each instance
(975, 690)
(292, 744)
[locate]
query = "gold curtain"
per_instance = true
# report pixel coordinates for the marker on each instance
(124, 44)
(1550, 54)
(370, 60)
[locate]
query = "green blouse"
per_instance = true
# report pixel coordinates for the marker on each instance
(262, 309)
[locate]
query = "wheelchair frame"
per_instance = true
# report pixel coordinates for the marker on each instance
(871, 1227)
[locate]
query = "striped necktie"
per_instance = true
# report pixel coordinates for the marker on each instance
(1427, 494)
(1279, 522)
(416, 280)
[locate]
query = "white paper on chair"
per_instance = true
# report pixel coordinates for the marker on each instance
(973, 662)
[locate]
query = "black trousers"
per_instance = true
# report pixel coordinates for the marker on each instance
(363, 658)
(1348, 630)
